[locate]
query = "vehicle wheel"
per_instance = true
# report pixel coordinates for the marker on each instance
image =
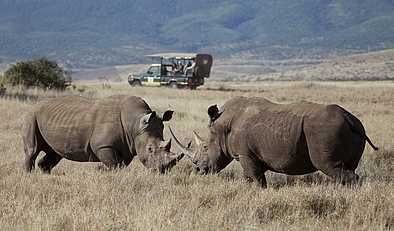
(136, 83)
(173, 85)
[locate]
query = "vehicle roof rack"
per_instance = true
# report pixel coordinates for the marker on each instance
(173, 55)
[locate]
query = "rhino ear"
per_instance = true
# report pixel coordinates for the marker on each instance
(146, 118)
(214, 113)
(167, 115)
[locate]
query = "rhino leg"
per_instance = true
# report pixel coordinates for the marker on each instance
(253, 170)
(336, 169)
(50, 160)
(109, 157)
(32, 141)
(342, 175)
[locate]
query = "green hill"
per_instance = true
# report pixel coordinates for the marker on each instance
(104, 32)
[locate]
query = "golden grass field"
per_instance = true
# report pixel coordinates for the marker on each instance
(82, 196)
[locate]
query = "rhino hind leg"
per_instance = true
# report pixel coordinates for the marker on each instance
(343, 176)
(338, 172)
(253, 170)
(50, 160)
(32, 141)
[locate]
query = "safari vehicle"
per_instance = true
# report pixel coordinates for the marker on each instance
(176, 70)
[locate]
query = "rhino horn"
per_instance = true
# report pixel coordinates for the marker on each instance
(197, 138)
(166, 145)
(171, 161)
(185, 150)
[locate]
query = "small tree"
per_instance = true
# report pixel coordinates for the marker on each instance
(36, 73)
(2, 88)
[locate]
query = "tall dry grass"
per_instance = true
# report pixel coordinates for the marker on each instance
(81, 196)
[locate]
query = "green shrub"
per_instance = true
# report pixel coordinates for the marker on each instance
(37, 73)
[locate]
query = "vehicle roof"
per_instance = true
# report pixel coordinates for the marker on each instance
(173, 55)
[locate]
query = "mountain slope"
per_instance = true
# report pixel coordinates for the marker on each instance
(103, 32)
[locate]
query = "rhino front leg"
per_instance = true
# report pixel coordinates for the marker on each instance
(253, 170)
(109, 157)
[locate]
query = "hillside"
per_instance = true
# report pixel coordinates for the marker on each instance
(366, 66)
(103, 32)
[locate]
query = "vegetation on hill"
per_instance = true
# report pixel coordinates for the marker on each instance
(36, 73)
(91, 33)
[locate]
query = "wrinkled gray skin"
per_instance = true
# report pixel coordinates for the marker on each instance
(111, 130)
(293, 139)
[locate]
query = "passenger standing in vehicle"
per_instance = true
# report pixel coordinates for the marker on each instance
(190, 67)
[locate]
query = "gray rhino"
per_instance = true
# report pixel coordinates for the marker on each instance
(111, 130)
(293, 139)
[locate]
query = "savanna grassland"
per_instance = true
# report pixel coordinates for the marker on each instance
(83, 196)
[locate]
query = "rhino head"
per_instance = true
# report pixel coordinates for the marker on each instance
(149, 145)
(207, 156)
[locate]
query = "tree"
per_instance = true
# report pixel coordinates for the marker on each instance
(37, 73)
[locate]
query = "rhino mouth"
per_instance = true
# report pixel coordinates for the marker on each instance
(174, 159)
(202, 170)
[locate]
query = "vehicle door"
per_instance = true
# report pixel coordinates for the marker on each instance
(152, 77)
(203, 65)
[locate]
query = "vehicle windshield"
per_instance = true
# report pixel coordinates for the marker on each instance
(155, 70)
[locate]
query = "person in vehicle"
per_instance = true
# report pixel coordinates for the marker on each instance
(190, 66)
(178, 67)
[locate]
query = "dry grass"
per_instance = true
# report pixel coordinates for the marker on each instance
(80, 196)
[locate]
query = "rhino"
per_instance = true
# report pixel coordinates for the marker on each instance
(112, 130)
(292, 139)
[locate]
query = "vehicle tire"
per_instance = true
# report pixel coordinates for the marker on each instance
(136, 83)
(173, 85)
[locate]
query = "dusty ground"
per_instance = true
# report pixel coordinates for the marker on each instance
(80, 196)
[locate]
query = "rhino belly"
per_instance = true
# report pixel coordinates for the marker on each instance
(70, 143)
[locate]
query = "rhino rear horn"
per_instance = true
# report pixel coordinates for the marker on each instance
(166, 145)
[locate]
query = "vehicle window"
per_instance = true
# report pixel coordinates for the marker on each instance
(154, 70)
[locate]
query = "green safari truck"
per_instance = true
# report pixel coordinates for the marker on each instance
(176, 70)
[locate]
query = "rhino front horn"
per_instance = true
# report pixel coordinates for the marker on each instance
(185, 150)
(197, 138)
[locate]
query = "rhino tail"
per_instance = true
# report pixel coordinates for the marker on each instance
(370, 142)
(359, 131)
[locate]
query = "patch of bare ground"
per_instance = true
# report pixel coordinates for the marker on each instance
(81, 196)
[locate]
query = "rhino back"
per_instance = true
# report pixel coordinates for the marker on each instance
(271, 131)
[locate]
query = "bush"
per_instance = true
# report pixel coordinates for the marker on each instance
(37, 73)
